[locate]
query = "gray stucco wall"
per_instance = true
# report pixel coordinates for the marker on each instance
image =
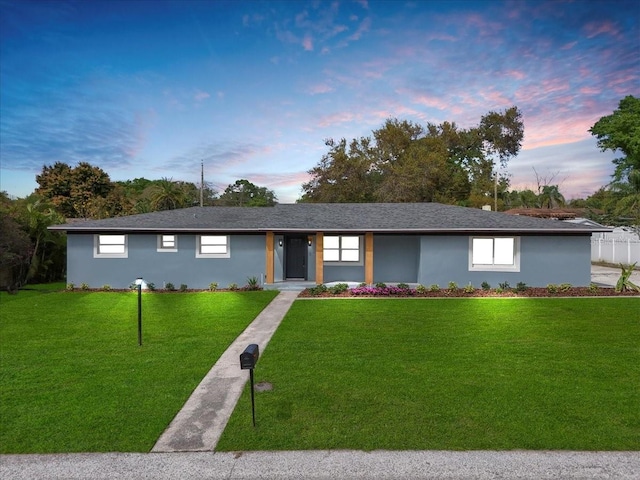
(396, 258)
(428, 259)
(543, 260)
(182, 267)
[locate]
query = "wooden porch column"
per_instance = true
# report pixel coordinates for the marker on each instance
(270, 253)
(368, 258)
(319, 257)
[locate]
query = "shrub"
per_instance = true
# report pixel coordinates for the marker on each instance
(624, 283)
(151, 286)
(434, 287)
(84, 286)
(70, 287)
(381, 285)
(233, 287)
(404, 286)
(593, 288)
(382, 291)
(552, 288)
(339, 288)
(521, 287)
(362, 284)
(253, 284)
(421, 288)
(469, 288)
(318, 290)
(499, 290)
(486, 286)
(504, 286)
(183, 287)
(169, 286)
(564, 287)
(213, 286)
(453, 286)
(106, 287)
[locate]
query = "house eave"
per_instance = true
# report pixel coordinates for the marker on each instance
(431, 231)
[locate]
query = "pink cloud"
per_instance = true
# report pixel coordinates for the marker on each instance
(589, 91)
(200, 96)
(431, 101)
(593, 29)
(568, 46)
(362, 29)
(320, 88)
(336, 119)
(307, 43)
(517, 74)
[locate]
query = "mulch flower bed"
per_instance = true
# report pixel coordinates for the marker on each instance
(394, 292)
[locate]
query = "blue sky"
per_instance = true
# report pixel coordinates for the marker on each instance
(253, 88)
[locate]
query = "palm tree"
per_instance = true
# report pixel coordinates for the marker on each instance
(550, 197)
(165, 194)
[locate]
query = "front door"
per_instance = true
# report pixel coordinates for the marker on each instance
(295, 257)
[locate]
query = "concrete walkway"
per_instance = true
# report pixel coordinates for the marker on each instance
(200, 423)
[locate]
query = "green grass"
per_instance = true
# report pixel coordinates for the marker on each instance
(450, 374)
(73, 378)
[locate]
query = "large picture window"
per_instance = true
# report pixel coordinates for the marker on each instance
(213, 246)
(110, 246)
(494, 254)
(342, 248)
(167, 243)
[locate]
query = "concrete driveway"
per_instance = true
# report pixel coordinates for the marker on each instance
(608, 276)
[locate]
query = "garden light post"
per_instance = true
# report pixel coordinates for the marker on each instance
(139, 284)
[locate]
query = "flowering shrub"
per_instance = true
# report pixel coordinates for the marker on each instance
(382, 291)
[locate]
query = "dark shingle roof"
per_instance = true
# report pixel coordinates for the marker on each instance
(329, 217)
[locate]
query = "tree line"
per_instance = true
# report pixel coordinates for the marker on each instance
(29, 252)
(401, 161)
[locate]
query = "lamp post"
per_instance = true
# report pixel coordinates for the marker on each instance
(139, 282)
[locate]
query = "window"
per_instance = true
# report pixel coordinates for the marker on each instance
(167, 243)
(110, 246)
(494, 253)
(213, 246)
(341, 249)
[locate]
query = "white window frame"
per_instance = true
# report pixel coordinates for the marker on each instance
(495, 267)
(343, 250)
(214, 241)
(106, 245)
(167, 246)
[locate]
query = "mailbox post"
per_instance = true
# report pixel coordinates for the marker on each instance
(248, 360)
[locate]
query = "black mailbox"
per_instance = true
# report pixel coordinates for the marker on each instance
(249, 357)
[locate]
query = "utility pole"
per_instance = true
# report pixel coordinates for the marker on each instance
(201, 183)
(495, 193)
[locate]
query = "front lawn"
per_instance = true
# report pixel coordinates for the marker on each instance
(73, 378)
(450, 374)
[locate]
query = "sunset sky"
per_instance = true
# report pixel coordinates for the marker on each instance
(253, 88)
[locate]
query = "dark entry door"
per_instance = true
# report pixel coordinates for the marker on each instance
(296, 257)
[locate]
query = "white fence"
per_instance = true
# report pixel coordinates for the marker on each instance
(615, 250)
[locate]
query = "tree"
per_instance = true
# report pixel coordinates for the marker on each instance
(48, 248)
(15, 251)
(55, 184)
(74, 191)
(404, 162)
(621, 131)
(419, 174)
(502, 135)
(550, 197)
(165, 194)
(343, 175)
(243, 193)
